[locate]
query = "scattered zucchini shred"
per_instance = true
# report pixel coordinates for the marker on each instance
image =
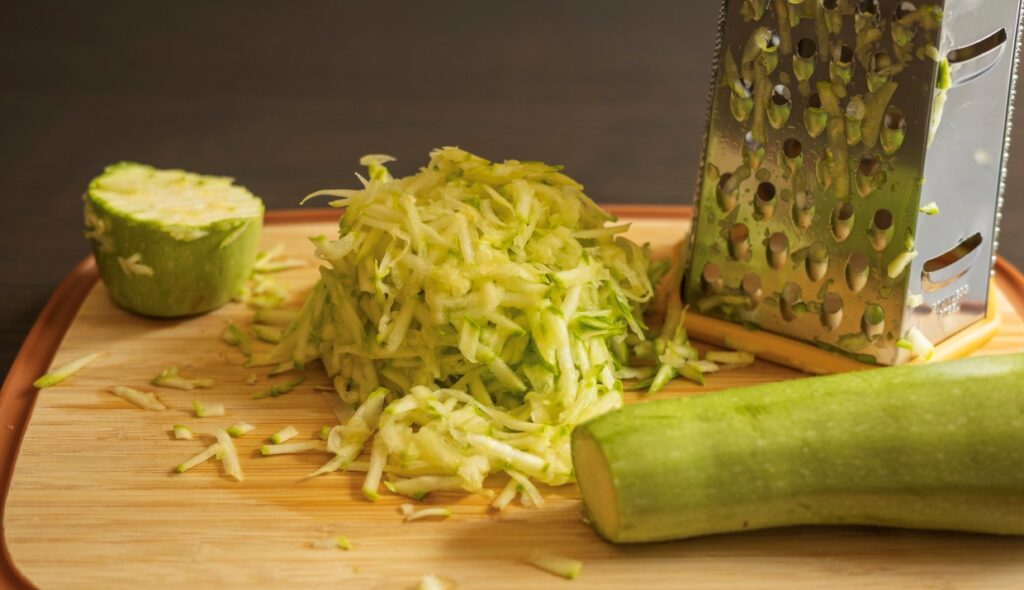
(285, 434)
(555, 564)
(171, 378)
(476, 312)
(240, 429)
(228, 454)
(261, 292)
(144, 399)
(270, 261)
(202, 410)
(182, 432)
(200, 457)
(64, 371)
(279, 389)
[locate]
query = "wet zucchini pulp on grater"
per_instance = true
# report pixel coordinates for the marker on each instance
(810, 186)
(169, 242)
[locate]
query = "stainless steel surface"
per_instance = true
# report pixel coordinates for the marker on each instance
(818, 161)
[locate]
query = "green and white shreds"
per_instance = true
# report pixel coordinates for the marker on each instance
(169, 242)
(477, 311)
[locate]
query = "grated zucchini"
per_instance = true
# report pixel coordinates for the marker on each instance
(489, 307)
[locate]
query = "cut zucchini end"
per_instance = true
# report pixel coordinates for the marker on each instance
(170, 243)
(596, 485)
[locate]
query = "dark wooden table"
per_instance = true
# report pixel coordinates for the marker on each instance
(285, 96)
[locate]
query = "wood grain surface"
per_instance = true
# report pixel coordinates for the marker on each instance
(94, 502)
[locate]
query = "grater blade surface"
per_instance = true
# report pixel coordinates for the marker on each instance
(835, 130)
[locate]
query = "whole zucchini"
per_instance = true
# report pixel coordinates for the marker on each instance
(937, 446)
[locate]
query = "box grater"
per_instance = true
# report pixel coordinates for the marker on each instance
(853, 169)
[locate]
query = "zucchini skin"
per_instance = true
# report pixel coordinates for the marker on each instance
(938, 446)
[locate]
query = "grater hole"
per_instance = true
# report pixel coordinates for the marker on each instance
(778, 242)
(746, 87)
(781, 95)
(792, 148)
(883, 219)
(778, 249)
(728, 195)
(893, 131)
(881, 226)
(845, 212)
(831, 311)
(858, 263)
(751, 285)
(832, 303)
(814, 101)
(806, 48)
(857, 271)
(894, 120)
(880, 61)
(842, 55)
(711, 277)
(739, 233)
(751, 143)
(867, 7)
(842, 220)
(791, 293)
(739, 241)
(830, 4)
(904, 9)
(873, 321)
(817, 261)
(766, 192)
(712, 272)
(869, 165)
(728, 183)
(789, 300)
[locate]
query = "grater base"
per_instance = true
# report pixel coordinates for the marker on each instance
(811, 359)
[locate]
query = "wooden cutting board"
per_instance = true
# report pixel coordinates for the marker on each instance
(93, 501)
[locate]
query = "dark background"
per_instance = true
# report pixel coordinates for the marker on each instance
(285, 96)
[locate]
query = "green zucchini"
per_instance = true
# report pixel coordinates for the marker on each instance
(935, 446)
(168, 242)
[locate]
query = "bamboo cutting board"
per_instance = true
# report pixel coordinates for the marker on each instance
(93, 501)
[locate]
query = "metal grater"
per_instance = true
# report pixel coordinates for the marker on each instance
(833, 127)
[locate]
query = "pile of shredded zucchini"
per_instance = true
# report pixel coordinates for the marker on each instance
(476, 312)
